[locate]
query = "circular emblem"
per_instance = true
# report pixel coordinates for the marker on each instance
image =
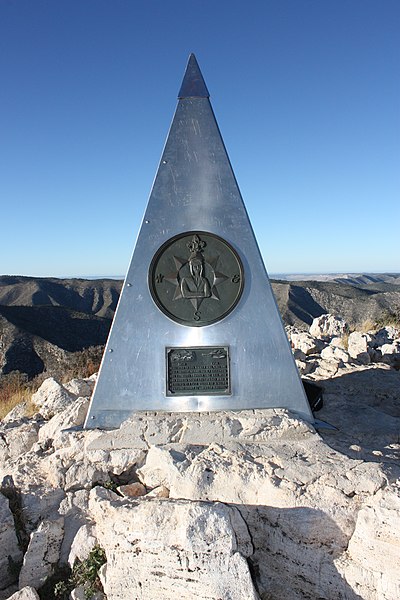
(196, 278)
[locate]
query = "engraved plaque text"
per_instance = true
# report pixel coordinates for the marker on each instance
(202, 371)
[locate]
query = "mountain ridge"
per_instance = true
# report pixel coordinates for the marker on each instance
(44, 320)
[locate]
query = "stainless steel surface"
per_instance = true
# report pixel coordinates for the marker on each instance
(195, 190)
(193, 84)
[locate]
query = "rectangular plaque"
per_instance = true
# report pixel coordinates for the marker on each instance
(200, 371)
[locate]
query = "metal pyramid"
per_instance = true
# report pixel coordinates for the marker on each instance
(197, 327)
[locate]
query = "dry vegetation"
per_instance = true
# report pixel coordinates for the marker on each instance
(16, 388)
(83, 364)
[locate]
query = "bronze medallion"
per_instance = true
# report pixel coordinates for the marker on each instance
(196, 278)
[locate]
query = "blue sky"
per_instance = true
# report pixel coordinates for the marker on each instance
(306, 94)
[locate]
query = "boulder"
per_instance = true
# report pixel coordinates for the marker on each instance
(75, 510)
(358, 347)
(376, 535)
(299, 355)
(328, 326)
(391, 353)
(326, 368)
(43, 553)
(335, 353)
(81, 387)
(52, 397)
(386, 335)
(132, 490)
(321, 510)
(305, 342)
(305, 367)
(10, 552)
(79, 593)
(337, 342)
(27, 593)
(158, 492)
(300, 500)
(16, 414)
(172, 549)
(146, 429)
(19, 439)
(71, 416)
(84, 541)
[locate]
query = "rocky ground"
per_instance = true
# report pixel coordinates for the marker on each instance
(233, 505)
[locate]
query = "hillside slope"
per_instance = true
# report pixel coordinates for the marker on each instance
(96, 297)
(44, 320)
(302, 301)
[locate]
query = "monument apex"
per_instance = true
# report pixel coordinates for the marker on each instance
(193, 84)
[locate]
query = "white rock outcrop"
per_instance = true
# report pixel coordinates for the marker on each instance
(371, 548)
(17, 438)
(328, 326)
(52, 397)
(43, 554)
(358, 345)
(72, 416)
(172, 549)
(9, 550)
(84, 541)
(27, 593)
(305, 342)
(81, 387)
(335, 353)
(218, 505)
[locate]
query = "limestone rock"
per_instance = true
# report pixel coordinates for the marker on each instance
(80, 387)
(322, 509)
(75, 510)
(83, 543)
(18, 438)
(298, 355)
(338, 342)
(71, 416)
(158, 492)
(4, 454)
(27, 593)
(327, 368)
(80, 594)
(137, 434)
(386, 335)
(327, 326)
(299, 498)
(42, 554)
(172, 549)
(335, 353)
(372, 565)
(132, 490)
(362, 402)
(16, 414)
(8, 544)
(305, 342)
(52, 397)
(358, 346)
(305, 367)
(391, 352)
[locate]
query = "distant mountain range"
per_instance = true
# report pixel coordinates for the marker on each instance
(44, 320)
(351, 278)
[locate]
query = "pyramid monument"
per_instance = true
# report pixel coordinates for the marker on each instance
(197, 327)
